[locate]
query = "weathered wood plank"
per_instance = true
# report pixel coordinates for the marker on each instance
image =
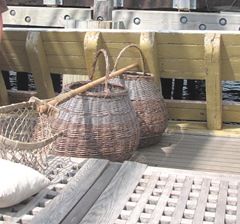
(121, 37)
(134, 217)
(14, 54)
(230, 39)
(238, 205)
(88, 200)
(196, 142)
(180, 38)
(231, 112)
(39, 65)
(183, 109)
(181, 51)
(194, 152)
(202, 154)
(230, 69)
(221, 203)
(229, 52)
(196, 110)
(182, 69)
(163, 200)
(92, 43)
(64, 48)
(202, 201)
(4, 100)
(66, 61)
(62, 35)
(182, 201)
(60, 206)
(14, 35)
(77, 71)
(148, 46)
(213, 81)
(112, 200)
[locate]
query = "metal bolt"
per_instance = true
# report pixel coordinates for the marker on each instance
(67, 17)
(28, 19)
(12, 12)
(223, 21)
(183, 19)
(202, 27)
(99, 18)
(137, 21)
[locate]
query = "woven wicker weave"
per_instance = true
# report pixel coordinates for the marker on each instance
(147, 101)
(101, 122)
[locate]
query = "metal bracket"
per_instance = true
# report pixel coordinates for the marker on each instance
(184, 4)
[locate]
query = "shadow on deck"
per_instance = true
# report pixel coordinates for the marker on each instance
(193, 152)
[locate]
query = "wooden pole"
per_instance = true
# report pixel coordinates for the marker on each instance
(66, 96)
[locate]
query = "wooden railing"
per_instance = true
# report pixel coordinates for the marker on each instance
(209, 56)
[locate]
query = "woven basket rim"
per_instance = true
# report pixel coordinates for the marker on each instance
(137, 74)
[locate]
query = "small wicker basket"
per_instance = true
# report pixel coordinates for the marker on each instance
(100, 123)
(147, 101)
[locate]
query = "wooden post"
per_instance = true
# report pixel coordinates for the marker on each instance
(102, 10)
(4, 100)
(92, 43)
(213, 80)
(39, 66)
(149, 48)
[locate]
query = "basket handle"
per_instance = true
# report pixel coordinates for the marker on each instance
(107, 69)
(63, 97)
(123, 50)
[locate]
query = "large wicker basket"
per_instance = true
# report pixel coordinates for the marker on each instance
(100, 123)
(147, 101)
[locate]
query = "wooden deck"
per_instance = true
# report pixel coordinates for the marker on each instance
(101, 192)
(188, 151)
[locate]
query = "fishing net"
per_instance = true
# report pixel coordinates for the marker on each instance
(26, 135)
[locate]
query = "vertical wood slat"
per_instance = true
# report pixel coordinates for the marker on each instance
(162, 202)
(135, 214)
(213, 80)
(92, 43)
(202, 201)
(182, 201)
(39, 66)
(238, 204)
(4, 100)
(149, 48)
(221, 204)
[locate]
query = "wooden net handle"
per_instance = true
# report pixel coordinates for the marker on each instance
(68, 95)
